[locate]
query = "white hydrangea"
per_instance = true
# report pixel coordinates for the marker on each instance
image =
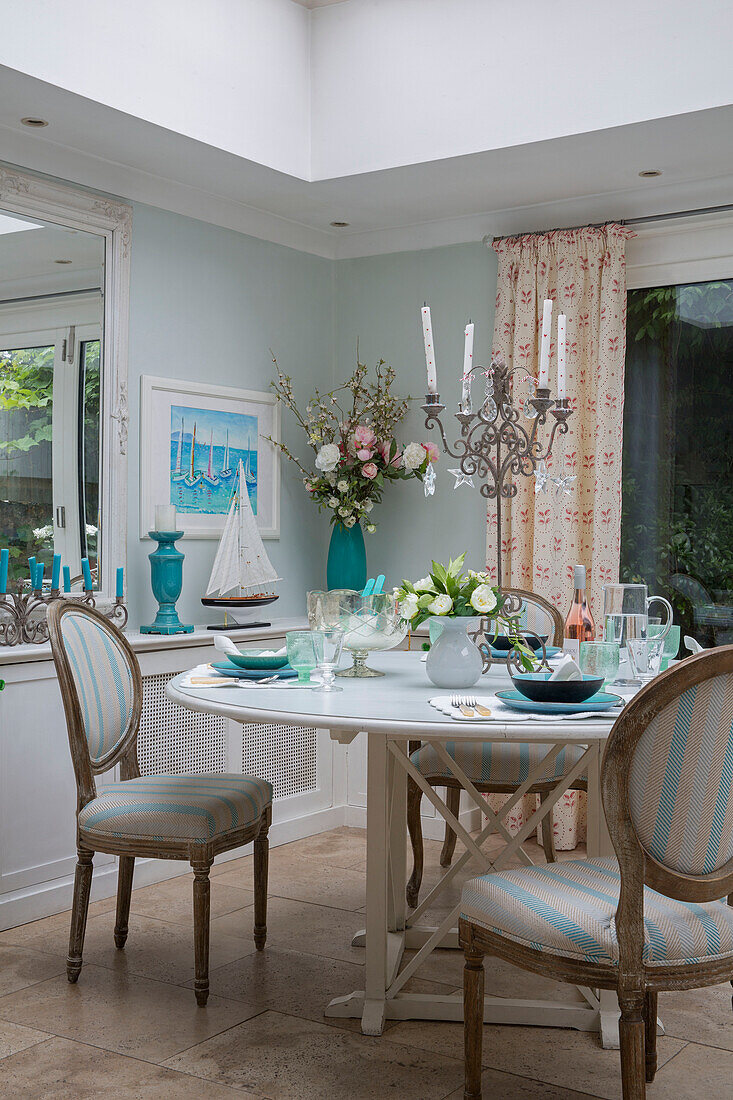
(413, 456)
(344, 511)
(328, 457)
(349, 522)
(343, 485)
(333, 502)
(367, 506)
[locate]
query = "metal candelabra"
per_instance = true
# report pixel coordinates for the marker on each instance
(494, 443)
(23, 613)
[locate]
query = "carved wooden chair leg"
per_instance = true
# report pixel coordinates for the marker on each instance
(548, 837)
(79, 909)
(414, 827)
(201, 920)
(631, 1036)
(473, 1017)
(124, 892)
(261, 862)
(453, 802)
(650, 1034)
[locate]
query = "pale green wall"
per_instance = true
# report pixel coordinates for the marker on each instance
(378, 302)
(207, 304)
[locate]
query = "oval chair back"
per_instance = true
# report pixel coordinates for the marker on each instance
(101, 688)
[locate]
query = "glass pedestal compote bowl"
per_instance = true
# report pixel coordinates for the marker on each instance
(369, 623)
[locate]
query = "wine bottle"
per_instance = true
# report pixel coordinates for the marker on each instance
(579, 625)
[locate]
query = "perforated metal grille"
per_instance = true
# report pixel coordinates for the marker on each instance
(173, 739)
(285, 755)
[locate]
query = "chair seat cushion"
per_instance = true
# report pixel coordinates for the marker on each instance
(507, 763)
(175, 807)
(569, 909)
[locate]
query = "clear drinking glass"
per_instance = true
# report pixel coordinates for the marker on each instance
(599, 659)
(302, 654)
(626, 617)
(645, 657)
(328, 645)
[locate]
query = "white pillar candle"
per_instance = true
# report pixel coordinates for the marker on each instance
(165, 517)
(427, 330)
(561, 351)
(545, 344)
(467, 363)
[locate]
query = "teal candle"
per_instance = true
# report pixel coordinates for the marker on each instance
(4, 557)
(32, 566)
(120, 583)
(67, 579)
(39, 575)
(56, 571)
(87, 574)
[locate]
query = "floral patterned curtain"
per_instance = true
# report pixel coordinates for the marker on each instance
(576, 522)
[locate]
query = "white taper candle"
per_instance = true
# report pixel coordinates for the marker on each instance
(427, 330)
(561, 353)
(467, 362)
(545, 344)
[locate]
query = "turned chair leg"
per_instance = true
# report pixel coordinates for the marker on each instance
(414, 827)
(124, 892)
(548, 836)
(650, 1034)
(631, 1030)
(473, 1021)
(201, 920)
(79, 909)
(261, 862)
(453, 802)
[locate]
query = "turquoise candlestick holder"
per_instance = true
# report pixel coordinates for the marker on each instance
(166, 578)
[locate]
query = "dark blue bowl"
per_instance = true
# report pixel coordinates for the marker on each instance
(503, 643)
(538, 687)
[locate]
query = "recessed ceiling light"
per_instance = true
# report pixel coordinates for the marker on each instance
(340, 225)
(62, 261)
(648, 173)
(35, 123)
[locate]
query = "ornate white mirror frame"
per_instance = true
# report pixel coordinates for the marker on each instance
(76, 209)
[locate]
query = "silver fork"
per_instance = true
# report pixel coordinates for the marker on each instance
(457, 701)
(256, 683)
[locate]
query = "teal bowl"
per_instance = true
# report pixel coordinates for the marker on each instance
(253, 660)
(538, 687)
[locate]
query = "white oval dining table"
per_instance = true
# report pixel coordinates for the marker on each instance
(391, 711)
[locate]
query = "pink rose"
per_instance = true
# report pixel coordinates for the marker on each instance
(397, 460)
(364, 437)
(369, 470)
(384, 449)
(364, 454)
(432, 450)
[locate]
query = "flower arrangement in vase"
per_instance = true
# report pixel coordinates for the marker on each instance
(352, 431)
(458, 601)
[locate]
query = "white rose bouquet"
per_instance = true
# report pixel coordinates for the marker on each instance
(449, 591)
(352, 430)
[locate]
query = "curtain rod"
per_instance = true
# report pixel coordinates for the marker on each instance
(488, 239)
(51, 294)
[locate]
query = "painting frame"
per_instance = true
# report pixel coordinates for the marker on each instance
(158, 398)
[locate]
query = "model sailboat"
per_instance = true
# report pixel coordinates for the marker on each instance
(243, 575)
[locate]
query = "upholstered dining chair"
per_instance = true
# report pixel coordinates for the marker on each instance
(187, 817)
(651, 919)
(492, 768)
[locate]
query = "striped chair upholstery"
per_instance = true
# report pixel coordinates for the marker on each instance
(174, 807)
(569, 909)
(103, 682)
(681, 777)
(504, 764)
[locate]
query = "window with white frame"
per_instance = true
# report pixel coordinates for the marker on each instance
(677, 496)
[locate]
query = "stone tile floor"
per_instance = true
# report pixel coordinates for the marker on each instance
(130, 1028)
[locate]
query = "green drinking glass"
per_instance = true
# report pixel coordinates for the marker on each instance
(671, 641)
(302, 653)
(599, 659)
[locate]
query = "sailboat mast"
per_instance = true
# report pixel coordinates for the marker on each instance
(180, 448)
(193, 444)
(211, 448)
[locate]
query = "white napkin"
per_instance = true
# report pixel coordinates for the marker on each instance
(692, 645)
(226, 645)
(567, 670)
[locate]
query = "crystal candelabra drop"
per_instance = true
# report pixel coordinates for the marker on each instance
(494, 444)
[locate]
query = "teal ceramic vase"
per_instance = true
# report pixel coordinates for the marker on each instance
(166, 577)
(346, 567)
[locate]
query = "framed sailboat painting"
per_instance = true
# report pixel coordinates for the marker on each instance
(193, 438)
